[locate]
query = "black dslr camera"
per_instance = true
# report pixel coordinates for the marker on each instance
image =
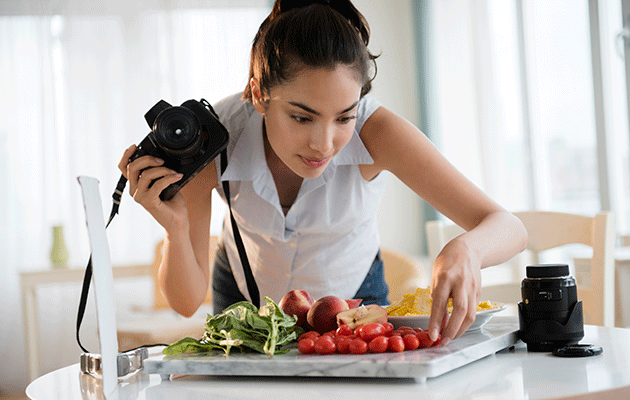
(187, 138)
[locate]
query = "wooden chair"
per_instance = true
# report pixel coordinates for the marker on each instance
(548, 230)
(403, 274)
(161, 324)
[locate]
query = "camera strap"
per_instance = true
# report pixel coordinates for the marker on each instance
(252, 288)
(87, 278)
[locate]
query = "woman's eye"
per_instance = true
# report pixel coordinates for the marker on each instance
(345, 120)
(300, 119)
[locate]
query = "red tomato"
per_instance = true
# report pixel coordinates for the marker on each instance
(370, 331)
(379, 344)
(344, 330)
(437, 342)
(396, 343)
(330, 333)
(411, 342)
(358, 346)
(343, 345)
(389, 328)
(325, 345)
(357, 331)
(309, 335)
(424, 339)
(306, 346)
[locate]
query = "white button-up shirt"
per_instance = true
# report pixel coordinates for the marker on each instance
(327, 241)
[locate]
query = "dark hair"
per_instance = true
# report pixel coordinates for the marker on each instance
(316, 34)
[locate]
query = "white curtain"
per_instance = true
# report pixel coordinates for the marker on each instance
(76, 79)
(515, 100)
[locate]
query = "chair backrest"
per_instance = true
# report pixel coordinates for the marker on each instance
(159, 301)
(547, 230)
(403, 274)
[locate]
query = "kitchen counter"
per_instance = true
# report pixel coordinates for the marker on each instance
(513, 373)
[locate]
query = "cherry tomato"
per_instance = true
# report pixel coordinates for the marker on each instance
(331, 333)
(306, 346)
(309, 335)
(344, 330)
(411, 342)
(358, 346)
(423, 339)
(389, 328)
(325, 345)
(396, 344)
(358, 330)
(379, 344)
(437, 342)
(343, 345)
(370, 331)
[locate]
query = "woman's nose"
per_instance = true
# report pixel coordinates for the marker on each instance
(322, 140)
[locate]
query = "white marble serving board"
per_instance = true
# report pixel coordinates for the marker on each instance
(498, 334)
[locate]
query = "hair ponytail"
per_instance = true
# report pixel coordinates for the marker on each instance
(321, 33)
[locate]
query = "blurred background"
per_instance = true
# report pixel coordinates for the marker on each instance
(528, 98)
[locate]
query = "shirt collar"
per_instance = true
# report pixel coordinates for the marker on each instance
(247, 161)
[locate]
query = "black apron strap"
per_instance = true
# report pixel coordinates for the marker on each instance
(252, 287)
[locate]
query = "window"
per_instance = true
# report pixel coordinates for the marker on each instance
(531, 101)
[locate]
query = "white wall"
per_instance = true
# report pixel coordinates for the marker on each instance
(396, 87)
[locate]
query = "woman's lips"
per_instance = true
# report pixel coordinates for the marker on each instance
(315, 162)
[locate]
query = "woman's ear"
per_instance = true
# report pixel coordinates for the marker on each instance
(257, 98)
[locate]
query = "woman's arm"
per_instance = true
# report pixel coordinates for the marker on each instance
(493, 235)
(184, 272)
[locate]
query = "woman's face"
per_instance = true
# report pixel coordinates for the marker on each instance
(310, 118)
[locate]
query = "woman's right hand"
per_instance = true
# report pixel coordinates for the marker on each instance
(140, 173)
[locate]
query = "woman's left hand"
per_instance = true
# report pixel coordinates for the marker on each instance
(456, 275)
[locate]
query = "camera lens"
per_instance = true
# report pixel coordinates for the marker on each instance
(549, 292)
(550, 314)
(176, 131)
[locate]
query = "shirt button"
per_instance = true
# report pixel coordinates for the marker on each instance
(293, 245)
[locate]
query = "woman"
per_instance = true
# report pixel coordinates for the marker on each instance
(306, 151)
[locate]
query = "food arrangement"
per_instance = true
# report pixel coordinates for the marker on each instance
(326, 326)
(419, 303)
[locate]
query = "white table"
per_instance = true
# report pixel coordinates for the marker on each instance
(31, 280)
(515, 374)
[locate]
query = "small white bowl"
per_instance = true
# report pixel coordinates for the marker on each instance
(422, 321)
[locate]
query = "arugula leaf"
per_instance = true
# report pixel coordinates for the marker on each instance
(245, 327)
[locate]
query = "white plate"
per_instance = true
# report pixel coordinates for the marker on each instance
(422, 321)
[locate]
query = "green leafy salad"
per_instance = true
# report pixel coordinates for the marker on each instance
(244, 327)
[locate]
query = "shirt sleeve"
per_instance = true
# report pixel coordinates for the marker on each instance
(366, 107)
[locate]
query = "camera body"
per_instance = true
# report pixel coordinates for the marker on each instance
(550, 315)
(187, 138)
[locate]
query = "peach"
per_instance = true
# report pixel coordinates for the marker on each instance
(323, 313)
(354, 303)
(297, 302)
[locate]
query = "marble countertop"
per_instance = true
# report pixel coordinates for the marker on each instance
(511, 374)
(496, 335)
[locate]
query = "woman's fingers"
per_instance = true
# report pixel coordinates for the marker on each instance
(154, 180)
(138, 169)
(122, 164)
(439, 310)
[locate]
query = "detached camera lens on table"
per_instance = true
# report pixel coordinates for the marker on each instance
(550, 315)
